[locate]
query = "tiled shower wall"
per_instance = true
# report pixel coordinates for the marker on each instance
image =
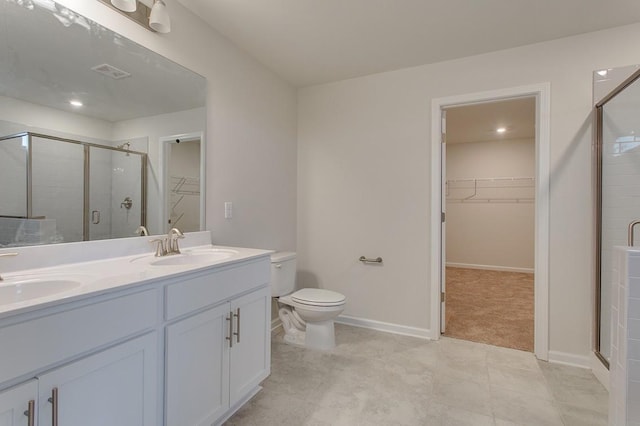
(624, 408)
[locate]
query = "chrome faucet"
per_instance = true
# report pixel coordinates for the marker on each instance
(169, 244)
(7, 255)
(161, 248)
(142, 231)
(173, 236)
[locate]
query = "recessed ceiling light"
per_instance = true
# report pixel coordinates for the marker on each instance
(602, 73)
(76, 103)
(501, 129)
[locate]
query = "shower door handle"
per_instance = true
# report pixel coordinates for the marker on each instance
(630, 233)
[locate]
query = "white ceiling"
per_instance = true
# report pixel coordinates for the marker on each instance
(316, 41)
(478, 122)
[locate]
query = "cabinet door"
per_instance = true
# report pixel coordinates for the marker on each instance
(117, 386)
(250, 357)
(14, 404)
(197, 368)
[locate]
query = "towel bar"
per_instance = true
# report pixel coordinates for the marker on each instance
(365, 260)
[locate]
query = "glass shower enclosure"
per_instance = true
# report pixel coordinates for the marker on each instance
(63, 190)
(617, 163)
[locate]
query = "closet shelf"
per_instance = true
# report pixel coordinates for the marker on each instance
(185, 185)
(491, 190)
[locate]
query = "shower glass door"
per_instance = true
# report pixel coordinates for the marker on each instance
(618, 148)
(117, 199)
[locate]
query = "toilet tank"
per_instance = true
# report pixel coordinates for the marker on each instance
(283, 273)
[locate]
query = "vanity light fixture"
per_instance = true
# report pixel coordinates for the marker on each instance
(159, 18)
(125, 5)
(501, 129)
(151, 14)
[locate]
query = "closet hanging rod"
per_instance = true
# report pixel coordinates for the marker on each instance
(493, 179)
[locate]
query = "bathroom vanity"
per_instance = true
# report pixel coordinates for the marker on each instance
(178, 340)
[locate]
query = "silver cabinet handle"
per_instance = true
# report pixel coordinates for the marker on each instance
(237, 333)
(230, 337)
(31, 413)
(54, 409)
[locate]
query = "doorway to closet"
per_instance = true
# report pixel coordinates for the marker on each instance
(489, 168)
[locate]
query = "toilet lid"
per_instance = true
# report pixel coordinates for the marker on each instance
(318, 297)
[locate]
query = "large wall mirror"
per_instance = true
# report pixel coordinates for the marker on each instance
(84, 118)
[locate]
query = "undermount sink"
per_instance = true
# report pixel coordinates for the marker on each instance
(200, 256)
(19, 290)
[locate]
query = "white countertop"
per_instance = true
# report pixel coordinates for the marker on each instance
(97, 277)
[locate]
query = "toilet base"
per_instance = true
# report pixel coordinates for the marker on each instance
(300, 331)
(320, 335)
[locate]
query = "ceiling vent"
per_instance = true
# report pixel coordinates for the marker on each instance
(111, 71)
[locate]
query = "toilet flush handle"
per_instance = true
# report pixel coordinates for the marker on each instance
(277, 265)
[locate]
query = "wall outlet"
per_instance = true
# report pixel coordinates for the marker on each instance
(228, 210)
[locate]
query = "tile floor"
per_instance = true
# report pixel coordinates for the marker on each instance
(375, 378)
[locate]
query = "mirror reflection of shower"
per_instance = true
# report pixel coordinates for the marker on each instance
(72, 191)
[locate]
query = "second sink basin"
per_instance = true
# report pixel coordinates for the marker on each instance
(13, 291)
(200, 256)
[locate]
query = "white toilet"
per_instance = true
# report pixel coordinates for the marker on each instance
(307, 315)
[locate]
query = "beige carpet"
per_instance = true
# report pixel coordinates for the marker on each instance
(490, 307)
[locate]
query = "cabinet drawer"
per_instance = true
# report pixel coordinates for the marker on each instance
(40, 342)
(215, 287)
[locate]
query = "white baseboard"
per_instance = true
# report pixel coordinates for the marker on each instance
(599, 370)
(275, 323)
(569, 359)
(404, 330)
(489, 267)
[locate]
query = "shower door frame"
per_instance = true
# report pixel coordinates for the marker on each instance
(598, 157)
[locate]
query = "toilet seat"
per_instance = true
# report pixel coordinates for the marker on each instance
(318, 297)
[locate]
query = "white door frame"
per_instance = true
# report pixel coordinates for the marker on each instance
(164, 176)
(542, 93)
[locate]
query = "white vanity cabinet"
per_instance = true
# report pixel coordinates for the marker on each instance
(196, 341)
(82, 365)
(197, 375)
(250, 355)
(217, 357)
(18, 404)
(116, 386)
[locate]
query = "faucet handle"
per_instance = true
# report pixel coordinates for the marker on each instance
(174, 235)
(161, 249)
(142, 231)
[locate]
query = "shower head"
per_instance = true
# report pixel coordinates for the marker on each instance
(123, 145)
